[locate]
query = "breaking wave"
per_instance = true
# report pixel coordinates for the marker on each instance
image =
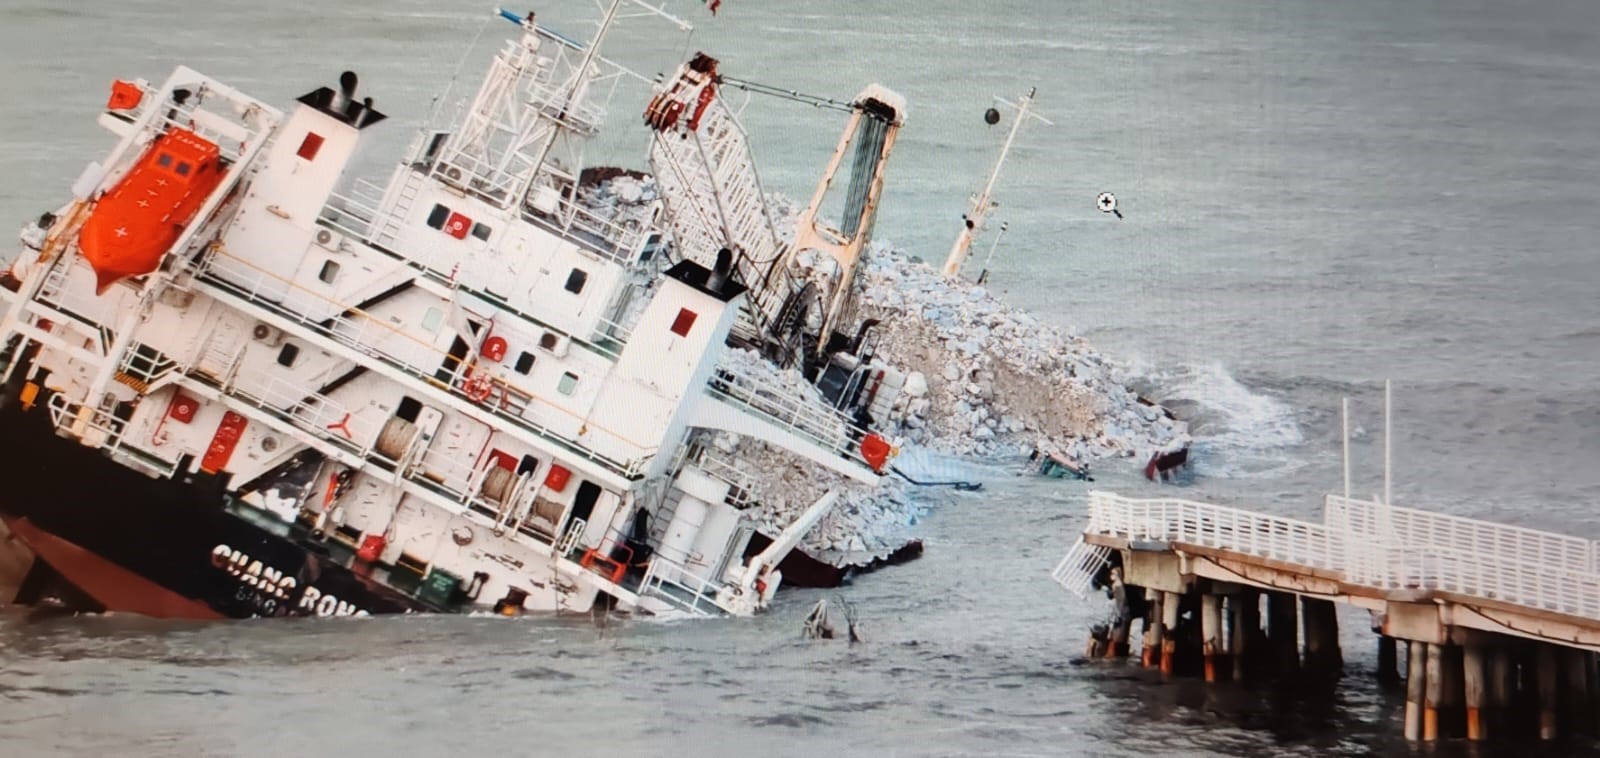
(1239, 432)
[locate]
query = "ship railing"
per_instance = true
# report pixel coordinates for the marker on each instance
(680, 586)
(353, 214)
(723, 469)
(610, 337)
(778, 405)
(319, 415)
(58, 291)
(616, 241)
(470, 173)
(365, 334)
(99, 429)
(449, 472)
(569, 533)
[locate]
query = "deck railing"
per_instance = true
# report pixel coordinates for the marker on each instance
(1375, 545)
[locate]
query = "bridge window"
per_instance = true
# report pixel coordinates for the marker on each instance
(438, 216)
(568, 383)
(329, 272)
(684, 322)
(409, 409)
(309, 146)
(576, 280)
(524, 363)
(287, 354)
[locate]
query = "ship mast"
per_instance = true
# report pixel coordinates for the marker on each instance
(534, 97)
(981, 203)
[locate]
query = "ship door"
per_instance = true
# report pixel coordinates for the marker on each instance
(583, 502)
(458, 354)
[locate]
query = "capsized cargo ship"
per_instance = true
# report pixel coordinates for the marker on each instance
(237, 383)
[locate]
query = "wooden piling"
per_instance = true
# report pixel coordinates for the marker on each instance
(1211, 634)
(1452, 698)
(1245, 610)
(1150, 652)
(1122, 624)
(1321, 620)
(1169, 624)
(1282, 629)
(1473, 673)
(1577, 690)
(1502, 683)
(1548, 691)
(1433, 688)
(1388, 661)
(1416, 681)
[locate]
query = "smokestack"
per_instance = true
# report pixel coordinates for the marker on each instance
(719, 272)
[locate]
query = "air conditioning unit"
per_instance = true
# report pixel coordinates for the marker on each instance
(327, 239)
(267, 333)
(554, 344)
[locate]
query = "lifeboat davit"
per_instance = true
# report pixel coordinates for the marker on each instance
(135, 223)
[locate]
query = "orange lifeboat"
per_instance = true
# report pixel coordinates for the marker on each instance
(136, 222)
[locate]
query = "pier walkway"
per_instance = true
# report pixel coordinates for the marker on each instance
(1490, 614)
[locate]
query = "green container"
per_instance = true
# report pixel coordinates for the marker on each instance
(439, 588)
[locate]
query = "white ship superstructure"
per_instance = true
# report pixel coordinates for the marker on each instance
(462, 386)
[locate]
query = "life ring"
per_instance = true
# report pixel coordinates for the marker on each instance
(478, 388)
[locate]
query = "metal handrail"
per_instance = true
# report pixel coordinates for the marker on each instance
(1375, 545)
(361, 332)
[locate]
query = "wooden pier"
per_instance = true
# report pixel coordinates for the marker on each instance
(1500, 624)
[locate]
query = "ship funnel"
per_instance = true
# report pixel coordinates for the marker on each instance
(719, 272)
(342, 104)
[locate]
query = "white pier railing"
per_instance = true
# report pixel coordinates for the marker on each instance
(1367, 544)
(1172, 520)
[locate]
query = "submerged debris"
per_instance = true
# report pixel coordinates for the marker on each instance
(819, 623)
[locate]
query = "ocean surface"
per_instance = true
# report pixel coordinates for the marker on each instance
(1316, 197)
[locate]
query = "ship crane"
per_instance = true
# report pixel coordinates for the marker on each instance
(982, 203)
(701, 159)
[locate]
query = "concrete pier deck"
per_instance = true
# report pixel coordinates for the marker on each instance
(1483, 610)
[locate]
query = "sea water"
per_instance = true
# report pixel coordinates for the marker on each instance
(1315, 196)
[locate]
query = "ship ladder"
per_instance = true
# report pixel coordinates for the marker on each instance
(1077, 570)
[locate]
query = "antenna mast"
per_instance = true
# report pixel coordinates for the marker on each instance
(981, 204)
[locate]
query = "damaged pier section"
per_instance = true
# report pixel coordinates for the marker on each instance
(1499, 625)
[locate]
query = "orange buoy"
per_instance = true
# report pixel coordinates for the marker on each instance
(875, 451)
(135, 223)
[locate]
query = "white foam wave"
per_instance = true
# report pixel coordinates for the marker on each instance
(1239, 432)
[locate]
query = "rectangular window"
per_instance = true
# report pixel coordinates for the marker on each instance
(330, 271)
(309, 146)
(482, 231)
(438, 216)
(576, 280)
(431, 319)
(287, 354)
(683, 323)
(568, 383)
(164, 160)
(409, 408)
(524, 363)
(183, 168)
